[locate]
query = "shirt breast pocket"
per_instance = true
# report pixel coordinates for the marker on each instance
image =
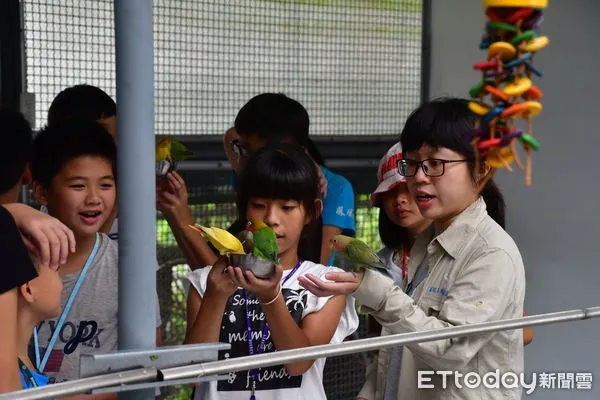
(431, 303)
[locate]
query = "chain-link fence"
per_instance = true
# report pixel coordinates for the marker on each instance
(354, 64)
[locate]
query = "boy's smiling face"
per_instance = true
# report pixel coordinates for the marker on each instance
(82, 195)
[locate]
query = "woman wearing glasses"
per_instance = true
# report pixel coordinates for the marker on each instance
(475, 269)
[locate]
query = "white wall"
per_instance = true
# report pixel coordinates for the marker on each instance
(556, 221)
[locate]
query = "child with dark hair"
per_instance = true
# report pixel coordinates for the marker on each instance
(84, 102)
(475, 272)
(89, 103)
(39, 299)
(16, 136)
(73, 168)
(267, 118)
(279, 185)
(22, 228)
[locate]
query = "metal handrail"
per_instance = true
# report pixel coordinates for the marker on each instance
(84, 385)
(214, 368)
(364, 345)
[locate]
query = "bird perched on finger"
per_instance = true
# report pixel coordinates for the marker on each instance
(222, 240)
(358, 252)
(264, 240)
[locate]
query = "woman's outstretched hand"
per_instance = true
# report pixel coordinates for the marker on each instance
(336, 283)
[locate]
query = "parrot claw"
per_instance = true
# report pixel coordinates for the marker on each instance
(165, 166)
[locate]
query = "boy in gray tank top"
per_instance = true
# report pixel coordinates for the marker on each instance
(73, 172)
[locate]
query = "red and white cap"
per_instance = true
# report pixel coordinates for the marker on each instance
(388, 175)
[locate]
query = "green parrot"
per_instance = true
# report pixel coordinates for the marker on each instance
(358, 252)
(168, 152)
(264, 241)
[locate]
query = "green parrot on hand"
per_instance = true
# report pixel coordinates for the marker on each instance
(358, 252)
(264, 241)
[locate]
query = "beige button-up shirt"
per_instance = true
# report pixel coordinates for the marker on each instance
(476, 275)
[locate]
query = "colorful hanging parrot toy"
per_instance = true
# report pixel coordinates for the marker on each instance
(506, 91)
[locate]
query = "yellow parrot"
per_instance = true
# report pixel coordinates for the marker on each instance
(168, 148)
(168, 152)
(223, 241)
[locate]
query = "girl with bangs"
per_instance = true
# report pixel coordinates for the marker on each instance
(475, 271)
(280, 186)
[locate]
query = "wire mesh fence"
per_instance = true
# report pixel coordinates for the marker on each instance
(355, 64)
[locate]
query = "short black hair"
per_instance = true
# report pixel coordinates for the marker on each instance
(16, 137)
(64, 141)
(446, 122)
(283, 171)
(274, 117)
(81, 102)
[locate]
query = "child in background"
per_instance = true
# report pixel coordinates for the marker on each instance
(90, 103)
(267, 118)
(39, 299)
(279, 185)
(21, 228)
(400, 221)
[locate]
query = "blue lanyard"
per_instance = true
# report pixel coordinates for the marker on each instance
(63, 316)
(265, 331)
(331, 259)
(27, 375)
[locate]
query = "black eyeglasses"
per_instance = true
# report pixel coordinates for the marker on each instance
(238, 149)
(431, 167)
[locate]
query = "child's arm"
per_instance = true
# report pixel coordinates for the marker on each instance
(172, 201)
(205, 314)
(316, 328)
(329, 231)
(43, 235)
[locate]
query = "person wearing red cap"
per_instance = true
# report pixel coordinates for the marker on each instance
(400, 221)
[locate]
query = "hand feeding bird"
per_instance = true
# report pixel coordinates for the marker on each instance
(222, 240)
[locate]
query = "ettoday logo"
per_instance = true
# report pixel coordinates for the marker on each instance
(508, 380)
